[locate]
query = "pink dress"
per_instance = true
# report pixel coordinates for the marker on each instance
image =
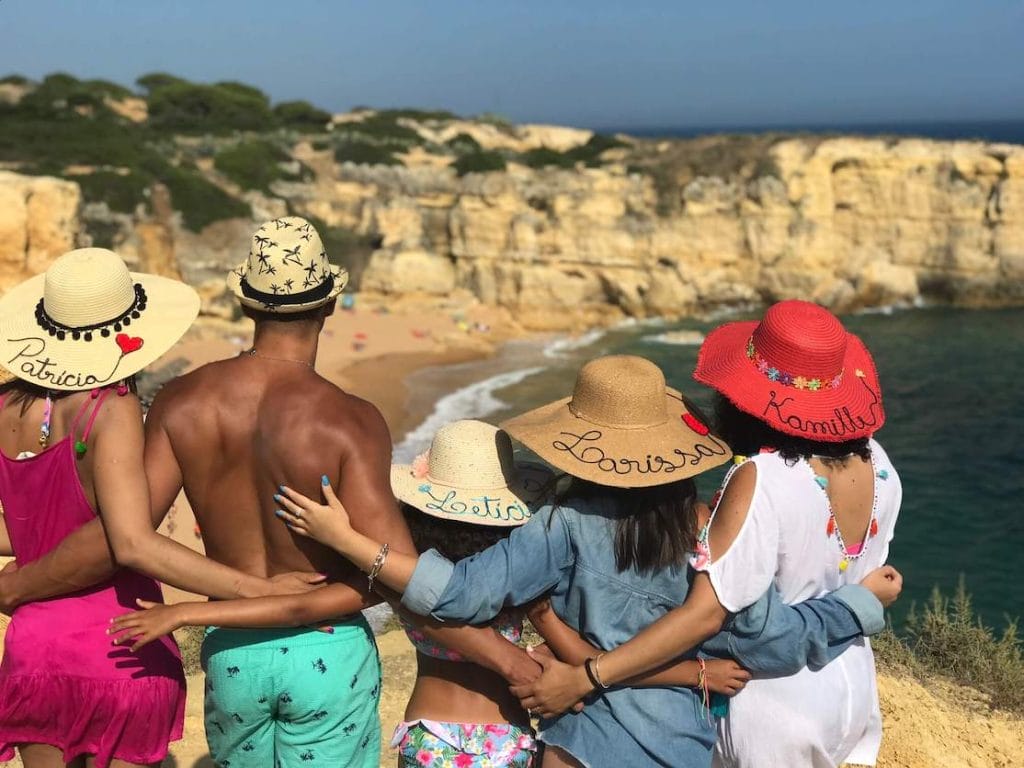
(62, 682)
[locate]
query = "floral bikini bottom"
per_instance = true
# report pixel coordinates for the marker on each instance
(430, 744)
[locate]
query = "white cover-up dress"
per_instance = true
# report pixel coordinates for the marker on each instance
(815, 718)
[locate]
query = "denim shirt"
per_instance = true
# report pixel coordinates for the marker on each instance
(568, 552)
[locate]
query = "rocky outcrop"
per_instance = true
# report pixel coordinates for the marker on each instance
(38, 222)
(847, 222)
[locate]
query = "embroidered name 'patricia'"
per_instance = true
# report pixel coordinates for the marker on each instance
(33, 363)
(581, 448)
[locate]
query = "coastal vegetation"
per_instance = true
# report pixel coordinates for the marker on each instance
(946, 639)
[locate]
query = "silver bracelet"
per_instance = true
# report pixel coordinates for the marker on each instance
(378, 564)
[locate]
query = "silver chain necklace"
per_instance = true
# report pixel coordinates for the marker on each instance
(253, 353)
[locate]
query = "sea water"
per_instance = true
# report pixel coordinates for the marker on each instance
(951, 383)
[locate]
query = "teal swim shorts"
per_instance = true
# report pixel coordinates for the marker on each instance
(278, 698)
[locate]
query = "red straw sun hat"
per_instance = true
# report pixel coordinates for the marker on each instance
(798, 370)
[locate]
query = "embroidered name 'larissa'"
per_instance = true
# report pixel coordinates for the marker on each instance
(841, 422)
(33, 363)
(583, 449)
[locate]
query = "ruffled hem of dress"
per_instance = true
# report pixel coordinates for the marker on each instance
(133, 720)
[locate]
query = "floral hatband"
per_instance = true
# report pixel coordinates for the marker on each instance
(788, 379)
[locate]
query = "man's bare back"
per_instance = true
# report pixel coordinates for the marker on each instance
(238, 428)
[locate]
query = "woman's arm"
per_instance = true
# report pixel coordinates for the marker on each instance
(6, 549)
(313, 608)
(722, 675)
(512, 572)
(122, 494)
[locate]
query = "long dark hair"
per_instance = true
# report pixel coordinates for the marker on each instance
(747, 434)
(655, 528)
(451, 538)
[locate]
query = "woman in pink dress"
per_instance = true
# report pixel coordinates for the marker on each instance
(70, 448)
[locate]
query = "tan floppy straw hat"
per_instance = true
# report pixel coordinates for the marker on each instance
(469, 475)
(287, 269)
(622, 427)
(88, 322)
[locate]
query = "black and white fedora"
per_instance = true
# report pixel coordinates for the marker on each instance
(287, 270)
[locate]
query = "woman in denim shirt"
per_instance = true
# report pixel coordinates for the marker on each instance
(610, 574)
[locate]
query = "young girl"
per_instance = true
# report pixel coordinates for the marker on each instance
(612, 553)
(813, 509)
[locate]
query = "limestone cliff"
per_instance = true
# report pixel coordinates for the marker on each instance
(846, 222)
(644, 230)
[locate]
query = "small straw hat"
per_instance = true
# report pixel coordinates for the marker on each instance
(88, 322)
(622, 427)
(287, 269)
(798, 370)
(469, 475)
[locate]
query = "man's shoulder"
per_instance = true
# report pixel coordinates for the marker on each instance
(345, 411)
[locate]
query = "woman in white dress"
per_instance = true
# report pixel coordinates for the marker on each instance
(812, 508)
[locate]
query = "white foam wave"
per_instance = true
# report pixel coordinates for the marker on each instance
(561, 345)
(475, 401)
(888, 309)
(683, 338)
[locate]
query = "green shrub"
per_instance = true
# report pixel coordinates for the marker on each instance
(590, 152)
(422, 115)
(200, 201)
(156, 80)
(381, 128)
(218, 109)
(252, 164)
(121, 192)
(102, 232)
(14, 80)
(463, 143)
(364, 153)
(947, 640)
(479, 162)
(766, 166)
(302, 116)
(542, 157)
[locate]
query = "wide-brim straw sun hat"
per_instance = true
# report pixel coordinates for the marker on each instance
(798, 370)
(88, 322)
(287, 269)
(621, 427)
(470, 475)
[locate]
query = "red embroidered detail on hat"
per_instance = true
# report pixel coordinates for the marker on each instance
(696, 426)
(128, 344)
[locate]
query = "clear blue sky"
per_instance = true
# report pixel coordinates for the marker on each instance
(585, 62)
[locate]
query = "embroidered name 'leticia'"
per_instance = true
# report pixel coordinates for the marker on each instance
(490, 507)
(841, 422)
(582, 448)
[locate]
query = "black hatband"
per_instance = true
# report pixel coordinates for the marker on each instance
(85, 332)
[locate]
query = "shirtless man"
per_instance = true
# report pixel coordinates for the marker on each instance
(228, 433)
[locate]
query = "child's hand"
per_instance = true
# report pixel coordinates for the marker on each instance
(539, 610)
(145, 626)
(725, 676)
(327, 523)
(886, 583)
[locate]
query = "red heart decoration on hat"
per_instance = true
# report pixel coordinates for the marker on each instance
(695, 425)
(128, 344)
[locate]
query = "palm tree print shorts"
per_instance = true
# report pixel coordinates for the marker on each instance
(284, 698)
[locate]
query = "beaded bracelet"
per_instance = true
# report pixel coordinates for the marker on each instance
(378, 564)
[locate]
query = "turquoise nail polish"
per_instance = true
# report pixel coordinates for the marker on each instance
(279, 513)
(324, 480)
(277, 497)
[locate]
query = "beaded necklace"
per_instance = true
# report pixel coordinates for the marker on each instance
(832, 527)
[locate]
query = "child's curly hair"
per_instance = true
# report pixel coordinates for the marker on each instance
(452, 539)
